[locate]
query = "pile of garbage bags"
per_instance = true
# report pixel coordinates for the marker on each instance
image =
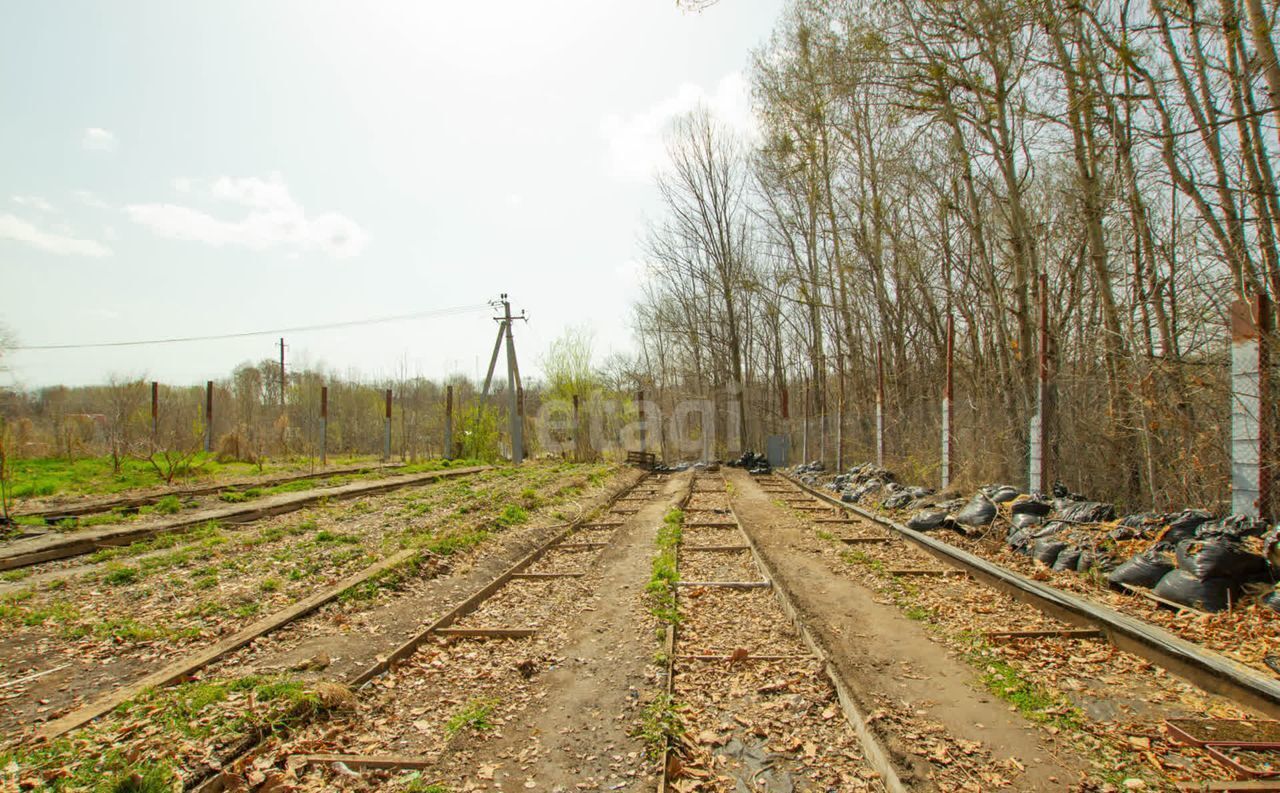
(1189, 558)
(754, 463)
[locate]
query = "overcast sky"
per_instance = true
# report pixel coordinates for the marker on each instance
(179, 169)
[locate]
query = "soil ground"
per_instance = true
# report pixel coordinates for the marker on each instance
(883, 655)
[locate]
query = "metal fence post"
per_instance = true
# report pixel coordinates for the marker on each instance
(208, 416)
(386, 448)
(577, 437)
(1251, 408)
(155, 414)
(448, 422)
(324, 425)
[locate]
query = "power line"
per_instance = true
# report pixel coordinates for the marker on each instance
(440, 312)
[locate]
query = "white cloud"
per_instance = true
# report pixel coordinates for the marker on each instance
(98, 139)
(33, 202)
(89, 199)
(274, 219)
(632, 273)
(636, 145)
(19, 230)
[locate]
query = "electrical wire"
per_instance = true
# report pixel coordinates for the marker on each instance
(440, 312)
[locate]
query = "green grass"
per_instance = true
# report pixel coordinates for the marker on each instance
(512, 515)
(473, 716)
(659, 723)
(120, 575)
(168, 505)
(48, 476)
(662, 583)
(326, 536)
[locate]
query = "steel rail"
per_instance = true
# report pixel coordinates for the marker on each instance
(1204, 668)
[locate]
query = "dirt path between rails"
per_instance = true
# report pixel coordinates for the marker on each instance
(576, 736)
(884, 656)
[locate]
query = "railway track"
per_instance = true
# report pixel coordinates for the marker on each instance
(75, 509)
(63, 545)
(739, 654)
(1207, 670)
(78, 675)
(464, 660)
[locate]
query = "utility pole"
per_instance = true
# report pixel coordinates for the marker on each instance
(513, 374)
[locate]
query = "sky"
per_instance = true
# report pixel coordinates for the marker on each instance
(178, 169)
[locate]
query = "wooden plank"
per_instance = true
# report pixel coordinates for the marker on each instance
(1232, 786)
(857, 540)
(711, 524)
(184, 667)
(1159, 601)
(390, 762)
(728, 584)
(487, 633)
(845, 521)
(747, 658)
(60, 545)
(714, 548)
(1064, 633)
(926, 571)
(1207, 669)
(579, 546)
(541, 576)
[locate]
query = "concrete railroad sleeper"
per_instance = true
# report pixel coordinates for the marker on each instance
(50, 547)
(1204, 668)
(216, 782)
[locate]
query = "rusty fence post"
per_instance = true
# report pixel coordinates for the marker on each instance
(643, 427)
(947, 413)
(1251, 408)
(208, 416)
(448, 422)
(155, 414)
(577, 435)
(324, 425)
(804, 432)
(386, 447)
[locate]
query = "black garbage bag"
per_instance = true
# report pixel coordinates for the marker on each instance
(897, 500)
(1000, 493)
(1206, 594)
(1233, 526)
(1085, 511)
(1271, 545)
(1144, 569)
(1220, 557)
(1086, 561)
(980, 511)
(1025, 520)
(1019, 542)
(1272, 600)
(1047, 530)
(1031, 506)
(1068, 559)
(1183, 525)
(1141, 520)
(865, 489)
(1046, 550)
(927, 520)
(1060, 491)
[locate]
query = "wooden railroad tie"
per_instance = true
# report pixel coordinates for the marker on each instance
(600, 526)
(714, 548)
(543, 576)
(846, 521)
(711, 524)
(926, 571)
(624, 511)
(390, 762)
(487, 633)
(728, 584)
(1232, 786)
(1064, 633)
(856, 540)
(579, 546)
(736, 659)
